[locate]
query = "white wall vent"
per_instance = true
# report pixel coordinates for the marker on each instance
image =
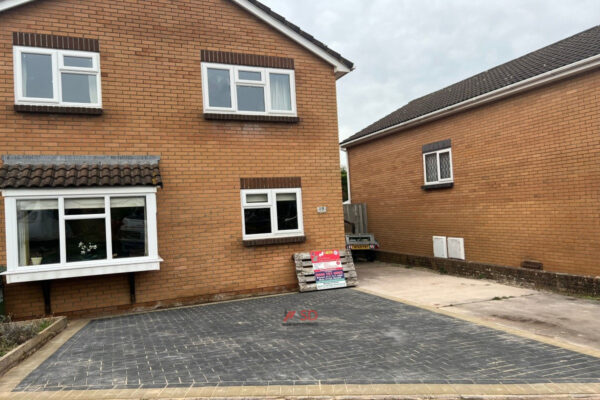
(456, 248)
(439, 247)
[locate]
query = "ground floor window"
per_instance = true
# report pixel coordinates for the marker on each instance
(269, 213)
(62, 229)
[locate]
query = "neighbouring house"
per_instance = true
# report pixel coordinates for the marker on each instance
(500, 168)
(161, 152)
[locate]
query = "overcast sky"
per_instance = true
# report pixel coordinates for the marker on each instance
(404, 49)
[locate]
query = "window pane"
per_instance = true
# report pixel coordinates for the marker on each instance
(431, 167)
(84, 206)
(128, 226)
(37, 222)
(81, 62)
(257, 220)
(287, 211)
(79, 88)
(250, 75)
(219, 88)
(257, 198)
(86, 239)
(445, 172)
(37, 75)
(281, 98)
(250, 98)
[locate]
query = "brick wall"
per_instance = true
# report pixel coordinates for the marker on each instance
(526, 173)
(152, 100)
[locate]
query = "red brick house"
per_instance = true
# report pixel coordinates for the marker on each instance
(158, 153)
(500, 168)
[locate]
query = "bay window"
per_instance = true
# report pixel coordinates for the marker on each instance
(57, 77)
(59, 233)
(232, 89)
(271, 213)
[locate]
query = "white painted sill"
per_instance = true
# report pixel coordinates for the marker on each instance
(29, 274)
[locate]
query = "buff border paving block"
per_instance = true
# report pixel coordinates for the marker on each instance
(200, 392)
(434, 390)
(274, 390)
(333, 390)
(287, 390)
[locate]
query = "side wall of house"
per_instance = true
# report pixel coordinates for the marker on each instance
(152, 98)
(526, 173)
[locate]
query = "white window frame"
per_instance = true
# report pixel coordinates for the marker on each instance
(271, 203)
(234, 81)
(58, 68)
(439, 180)
(238, 68)
(15, 273)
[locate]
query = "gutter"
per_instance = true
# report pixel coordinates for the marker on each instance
(8, 4)
(527, 84)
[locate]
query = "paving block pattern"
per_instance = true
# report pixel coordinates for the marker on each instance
(357, 338)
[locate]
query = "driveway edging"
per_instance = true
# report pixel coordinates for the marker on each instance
(406, 391)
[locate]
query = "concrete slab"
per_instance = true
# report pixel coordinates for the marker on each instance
(568, 319)
(420, 285)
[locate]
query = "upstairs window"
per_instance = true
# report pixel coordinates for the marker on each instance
(57, 77)
(232, 89)
(437, 166)
(271, 213)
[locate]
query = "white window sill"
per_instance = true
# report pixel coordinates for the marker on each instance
(41, 273)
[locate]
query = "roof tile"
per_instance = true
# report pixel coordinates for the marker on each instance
(15, 176)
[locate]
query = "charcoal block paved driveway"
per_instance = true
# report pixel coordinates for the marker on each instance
(359, 338)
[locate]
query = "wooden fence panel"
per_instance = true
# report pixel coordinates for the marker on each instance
(357, 214)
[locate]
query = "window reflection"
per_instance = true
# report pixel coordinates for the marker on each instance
(129, 227)
(38, 232)
(287, 211)
(257, 220)
(86, 239)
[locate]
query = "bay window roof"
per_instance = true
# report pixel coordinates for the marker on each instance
(30, 172)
